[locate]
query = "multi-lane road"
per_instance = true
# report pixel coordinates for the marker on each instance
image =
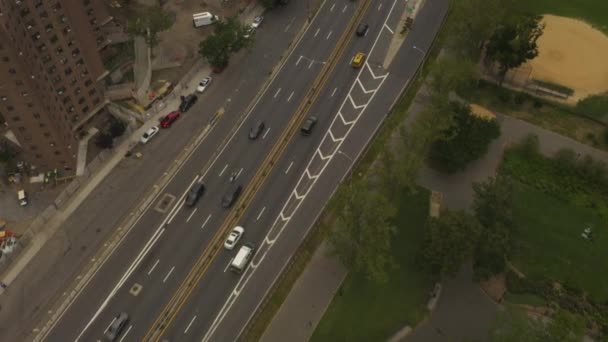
(159, 253)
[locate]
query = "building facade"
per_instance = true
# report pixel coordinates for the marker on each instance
(50, 73)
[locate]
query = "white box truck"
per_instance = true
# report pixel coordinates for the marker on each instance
(242, 258)
(203, 19)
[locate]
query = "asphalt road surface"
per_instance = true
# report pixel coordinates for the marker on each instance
(143, 273)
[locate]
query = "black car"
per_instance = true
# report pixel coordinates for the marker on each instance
(308, 125)
(231, 196)
(362, 29)
(196, 191)
(187, 102)
(256, 130)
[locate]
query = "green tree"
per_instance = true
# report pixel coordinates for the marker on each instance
(493, 201)
(117, 127)
(493, 207)
(362, 234)
(148, 23)
(514, 41)
(472, 23)
(450, 242)
(566, 327)
(451, 74)
(228, 37)
(467, 139)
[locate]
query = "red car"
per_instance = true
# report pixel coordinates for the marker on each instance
(168, 120)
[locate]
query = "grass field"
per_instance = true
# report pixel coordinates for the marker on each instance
(549, 242)
(594, 12)
(369, 312)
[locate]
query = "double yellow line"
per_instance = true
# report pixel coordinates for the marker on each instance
(215, 246)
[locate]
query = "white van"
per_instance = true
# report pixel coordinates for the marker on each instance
(203, 19)
(242, 258)
(22, 197)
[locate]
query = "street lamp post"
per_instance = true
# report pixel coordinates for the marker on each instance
(423, 57)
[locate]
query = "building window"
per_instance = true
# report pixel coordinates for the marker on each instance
(88, 82)
(92, 92)
(48, 28)
(75, 52)
(57, 153)
(54, 39)
(33, 147)
(18, 82)
(36, 36)
(57, 79)
(81, 100)
(68, 71)
(38, 156)
(21, 129)
(66, 99)
(12, 71)
(85, 109)
(16, 118)
(36, 116)
(47, 134)
(10, 108)
(96, 101)
(30, 105)
(24, 93)
(5, 59)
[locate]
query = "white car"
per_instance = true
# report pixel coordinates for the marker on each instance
(204, 84)
(234, 237)
(257, 21)
(149, 134)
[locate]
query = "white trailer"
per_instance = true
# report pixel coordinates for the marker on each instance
(203, 19)
(242, 258)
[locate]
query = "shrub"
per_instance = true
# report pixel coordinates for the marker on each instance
(519, 99)
(538, 104)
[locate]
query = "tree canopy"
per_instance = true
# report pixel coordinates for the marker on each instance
(362, 233)
(148, 23)
(228, 37)
(451, 240)
(514, 41)
(465, 140)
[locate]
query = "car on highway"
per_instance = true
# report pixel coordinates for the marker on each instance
(308, 125)
(117, 326)
(231, 196)
(233, 238)
(257, 21)
(242, 258)
(203, 84)
(256, 130)
(358, 60)
(169, 119)
(149, 134)
(362, 29)
(187, 102)
(196, 191)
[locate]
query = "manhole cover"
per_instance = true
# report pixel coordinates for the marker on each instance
(135, 289)
(164, 203)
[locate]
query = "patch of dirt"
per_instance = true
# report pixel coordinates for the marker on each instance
(495, 287)
(482, 112)
(574, 54)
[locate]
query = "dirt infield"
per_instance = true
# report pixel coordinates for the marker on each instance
(573, 54)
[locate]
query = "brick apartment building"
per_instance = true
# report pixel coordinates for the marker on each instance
(50, 70)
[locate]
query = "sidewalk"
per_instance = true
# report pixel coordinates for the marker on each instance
(307, 301)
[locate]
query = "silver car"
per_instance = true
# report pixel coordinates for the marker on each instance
(117, 326)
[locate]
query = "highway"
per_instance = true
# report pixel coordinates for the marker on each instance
(169, 257)
(153, 260)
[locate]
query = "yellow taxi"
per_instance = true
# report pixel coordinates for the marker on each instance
(358, 60)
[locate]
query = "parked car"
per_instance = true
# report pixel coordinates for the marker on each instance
(204, 84)
(169, 119)
(362, 29)
(117, 326)
(149, 134)
(234, 237)
(187, 102)
(249, 32)
(231, 196)
(256, 130)
(196, 191)
(308, 125)
(257, 21)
